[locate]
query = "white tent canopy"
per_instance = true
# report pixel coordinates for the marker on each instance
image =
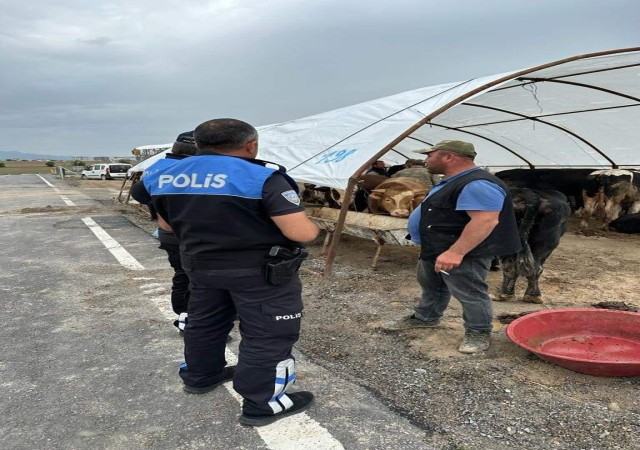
(583, 111)
(142, 165)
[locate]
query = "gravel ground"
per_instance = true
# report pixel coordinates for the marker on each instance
(503, 398)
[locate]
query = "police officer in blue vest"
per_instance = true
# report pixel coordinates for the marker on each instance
(239, 224)
(183, 147)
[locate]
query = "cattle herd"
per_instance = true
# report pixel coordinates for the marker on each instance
(543, 201)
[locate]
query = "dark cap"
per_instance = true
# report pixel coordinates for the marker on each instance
(459, 147)
(186, 138)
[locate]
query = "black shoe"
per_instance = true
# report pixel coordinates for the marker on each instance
(409, 322)
(301, 401)
(227, 374)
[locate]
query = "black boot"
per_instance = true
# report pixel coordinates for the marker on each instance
(301, 401)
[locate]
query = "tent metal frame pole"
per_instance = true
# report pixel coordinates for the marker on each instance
(485, 87)
(514, 153)
(337, 233)
(566, 113)
(342, 217)
(587, 72)
(583, 85)
(566, 130)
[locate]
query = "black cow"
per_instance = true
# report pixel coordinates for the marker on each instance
(542, 219)
(626, 224)
(568, 181)
(333, 198)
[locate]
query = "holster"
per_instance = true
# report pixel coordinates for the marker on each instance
(285, 264)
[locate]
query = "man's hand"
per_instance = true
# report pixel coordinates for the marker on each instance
(447, 261)
(479, 227)
(163, 224)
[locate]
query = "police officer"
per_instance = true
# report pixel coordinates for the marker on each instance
(228, 211)
(184, 146)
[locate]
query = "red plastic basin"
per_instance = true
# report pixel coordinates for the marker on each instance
(586, 340)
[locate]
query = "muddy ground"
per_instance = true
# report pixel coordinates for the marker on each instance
(503, 398)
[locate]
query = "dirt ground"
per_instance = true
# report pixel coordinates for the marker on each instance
(503, 398)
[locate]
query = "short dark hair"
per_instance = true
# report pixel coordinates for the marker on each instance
(224, 134)
(185, 144)
(182, 148)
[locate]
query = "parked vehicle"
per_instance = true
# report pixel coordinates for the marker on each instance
(106, 171)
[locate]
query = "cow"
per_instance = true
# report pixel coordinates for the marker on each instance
(542, 219)
(629, 223)
(397, 196)
(370, 181)
(614, 190)
(568, 181)
(422, 173)
(358, 200)
(317, 195)
(334, 198)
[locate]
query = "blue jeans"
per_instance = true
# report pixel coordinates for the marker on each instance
(467, 283)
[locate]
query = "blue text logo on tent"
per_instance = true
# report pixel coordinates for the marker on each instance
(336, 156)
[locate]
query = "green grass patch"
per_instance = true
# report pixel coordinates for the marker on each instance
(20, 170)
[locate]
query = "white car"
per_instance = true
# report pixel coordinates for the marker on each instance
(106, 171)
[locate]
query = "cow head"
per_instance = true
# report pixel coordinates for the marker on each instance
(397, 202)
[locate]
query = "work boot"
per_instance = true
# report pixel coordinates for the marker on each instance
(474, 342)
(409, 322)
(301, 401)
(227, 375)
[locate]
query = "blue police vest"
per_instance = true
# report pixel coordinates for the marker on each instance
(214, 205)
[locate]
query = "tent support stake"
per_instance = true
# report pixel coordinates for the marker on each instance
(337, 232)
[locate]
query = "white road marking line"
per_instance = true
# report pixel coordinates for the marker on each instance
(298, 432)
(123, 256)
(57, 191)
(149, 285)
(163, 305)
(67, 201)
(50, 185)
(157, 290)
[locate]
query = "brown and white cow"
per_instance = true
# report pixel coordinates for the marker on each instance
(613, 190)
(422, 173)
(397, 196)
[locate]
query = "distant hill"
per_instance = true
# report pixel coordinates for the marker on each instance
(19, 155)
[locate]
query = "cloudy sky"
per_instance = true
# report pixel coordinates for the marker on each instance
(102, 77)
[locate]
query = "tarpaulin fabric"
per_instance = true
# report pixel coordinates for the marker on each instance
(580, 112)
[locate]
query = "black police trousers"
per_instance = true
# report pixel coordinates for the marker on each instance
(269, 326)
(180, 281)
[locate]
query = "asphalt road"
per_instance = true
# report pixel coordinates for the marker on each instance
(90, 357)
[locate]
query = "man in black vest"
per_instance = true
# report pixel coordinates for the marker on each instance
(464, 222)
